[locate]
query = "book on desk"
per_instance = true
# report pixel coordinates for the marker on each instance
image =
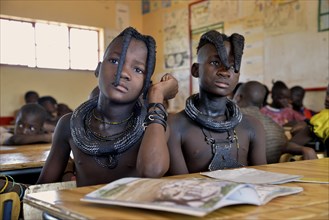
(190, 196)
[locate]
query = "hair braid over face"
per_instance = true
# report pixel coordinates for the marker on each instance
(150, 43)
(238, 46)
(217, 39)
(127, 34)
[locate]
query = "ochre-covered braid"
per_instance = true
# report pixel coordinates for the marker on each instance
(238, 46)
(217, 39)
(127, 34)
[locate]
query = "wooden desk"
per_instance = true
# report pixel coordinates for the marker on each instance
(312, 203)
(17, 159)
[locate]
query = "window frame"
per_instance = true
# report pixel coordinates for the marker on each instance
(100, 44)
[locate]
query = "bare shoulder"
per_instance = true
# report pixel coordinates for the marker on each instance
(250, 121)
(177, 116)
(177, 120)
(63, 125)
(251, 124)
(65, 120)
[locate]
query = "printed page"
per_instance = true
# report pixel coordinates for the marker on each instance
(251, 175)
(264, 193)
(190, 196)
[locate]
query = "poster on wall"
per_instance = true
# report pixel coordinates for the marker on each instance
(166, 3)
(252, 66)
(285, 16)
(211, 12)
(176, 52)
(109, 35)
(146, 6)
(178, 103)
(122, 16)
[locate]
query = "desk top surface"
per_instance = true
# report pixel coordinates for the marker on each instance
(23, 156)
(312, 203)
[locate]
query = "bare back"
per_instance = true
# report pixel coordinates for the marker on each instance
(190, 153)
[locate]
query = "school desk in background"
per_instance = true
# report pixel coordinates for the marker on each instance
(23, 162)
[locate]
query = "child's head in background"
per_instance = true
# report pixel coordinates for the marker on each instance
(30, 119)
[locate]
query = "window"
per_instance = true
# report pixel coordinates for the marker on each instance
(44, 45)
(323, 15)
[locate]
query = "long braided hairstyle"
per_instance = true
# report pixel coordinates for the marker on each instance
(150, 43)
(217, 39)
(107, 149)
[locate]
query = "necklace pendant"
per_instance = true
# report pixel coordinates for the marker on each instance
(222, 157)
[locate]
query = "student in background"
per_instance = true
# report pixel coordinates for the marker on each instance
(29, 126)
(318, 129)
(211, 133)
(280, 109)
(50, 104)
(234, 90)
(267, 93)
(106, 132)
(297, 97)
(63, 109)
(250, 98)
(31, 97)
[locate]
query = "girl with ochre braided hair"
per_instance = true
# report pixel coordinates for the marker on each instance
(106, 132)
(211, 133)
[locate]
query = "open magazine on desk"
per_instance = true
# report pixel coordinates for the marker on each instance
(255, 176)
(190, 196)
(251, 175)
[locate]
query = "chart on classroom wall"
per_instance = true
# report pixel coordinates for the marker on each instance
(285, 16)
(252, 66)
(177, 54)
(176, 43)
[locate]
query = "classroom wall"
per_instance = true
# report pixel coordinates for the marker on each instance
(300, 57)
(298, 54)
(70, 87)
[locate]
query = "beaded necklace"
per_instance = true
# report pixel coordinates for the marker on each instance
(101, 137)
(111, 122)
(105, 149)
